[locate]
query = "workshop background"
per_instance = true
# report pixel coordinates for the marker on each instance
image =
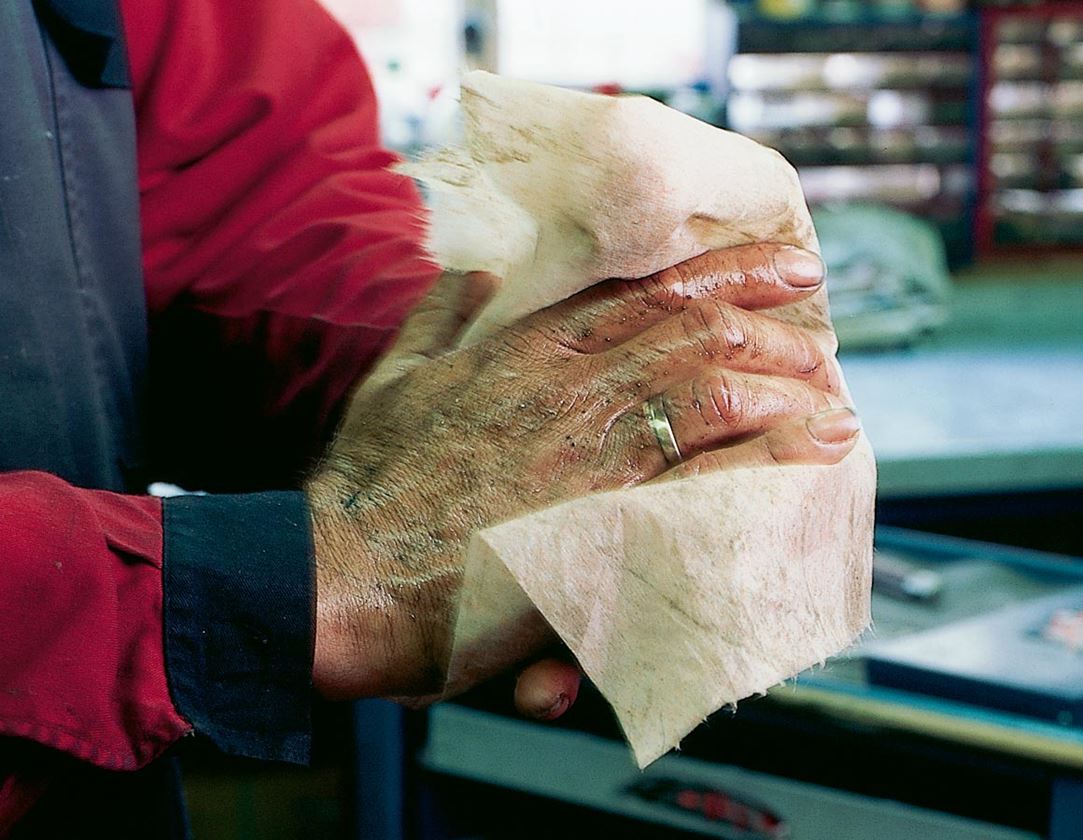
(940, 144)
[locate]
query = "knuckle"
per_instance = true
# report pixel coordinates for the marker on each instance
(734, 330)
(662, 290)
(724, 402)
(703, 401)
(809, 358)
(719, 328)
(701, 324)
(747, 337)
(811, 364)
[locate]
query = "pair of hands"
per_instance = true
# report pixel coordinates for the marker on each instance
(436, 445)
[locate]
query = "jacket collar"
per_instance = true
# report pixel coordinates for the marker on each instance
(89, 35)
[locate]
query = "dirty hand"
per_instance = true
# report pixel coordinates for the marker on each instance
(433, 449)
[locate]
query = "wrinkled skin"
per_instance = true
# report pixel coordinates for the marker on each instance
(437, 445)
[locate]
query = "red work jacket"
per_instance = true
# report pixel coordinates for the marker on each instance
(279, 257)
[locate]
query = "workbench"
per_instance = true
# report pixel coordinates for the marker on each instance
(993, 402)
(991, 406)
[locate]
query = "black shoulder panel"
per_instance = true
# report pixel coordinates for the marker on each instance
(89, 35)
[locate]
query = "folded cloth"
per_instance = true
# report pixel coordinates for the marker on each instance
(681, 596)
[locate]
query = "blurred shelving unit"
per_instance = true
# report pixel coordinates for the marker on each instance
(1031, 188)
(871, 105)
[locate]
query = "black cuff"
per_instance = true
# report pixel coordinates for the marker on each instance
(239, 620)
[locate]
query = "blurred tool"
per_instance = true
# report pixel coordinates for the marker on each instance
(715, 805)
(1021, 659)
(887, 275)
(897, 579)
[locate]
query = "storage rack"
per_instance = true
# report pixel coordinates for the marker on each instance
(1031, 173)
(874, 106)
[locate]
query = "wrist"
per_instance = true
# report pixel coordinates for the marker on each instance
(340, 655)
(386, 588)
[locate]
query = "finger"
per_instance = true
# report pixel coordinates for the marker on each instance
(822, 439)
(547, 689)
(436, 322)
(433, 326)
(749, 276)
(717, 409)
(683, 344)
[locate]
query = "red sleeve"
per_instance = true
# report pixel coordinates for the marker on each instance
(280, 253)
(81, 664)
(280, 256)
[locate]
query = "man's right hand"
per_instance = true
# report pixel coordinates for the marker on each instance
(551, 408)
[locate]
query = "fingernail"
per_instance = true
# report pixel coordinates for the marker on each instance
(799, 267)
(557, 709)
(836, 425)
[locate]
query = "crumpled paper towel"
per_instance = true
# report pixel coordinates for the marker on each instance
(677, 597)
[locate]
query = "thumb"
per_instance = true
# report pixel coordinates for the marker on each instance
(434, 325)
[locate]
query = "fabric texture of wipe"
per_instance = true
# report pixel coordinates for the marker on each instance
(678, 597)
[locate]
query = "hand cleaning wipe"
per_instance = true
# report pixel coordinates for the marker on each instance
(677, 597)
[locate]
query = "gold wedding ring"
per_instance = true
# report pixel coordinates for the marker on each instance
(658, 420)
